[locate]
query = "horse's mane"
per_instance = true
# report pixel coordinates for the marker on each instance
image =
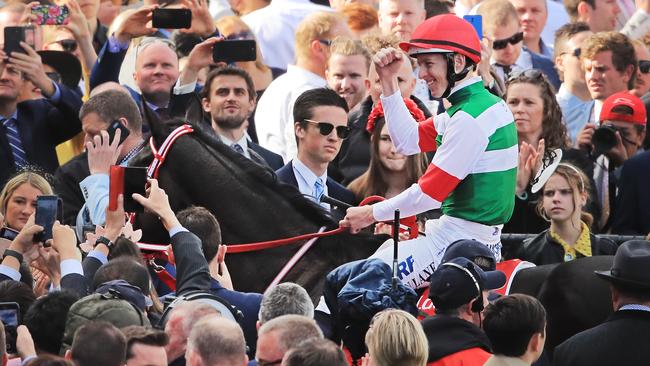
(262, 175)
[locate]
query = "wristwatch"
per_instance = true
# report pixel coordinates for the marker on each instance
(104, 240)
(13, 253)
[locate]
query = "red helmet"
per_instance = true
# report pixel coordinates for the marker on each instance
(443, 34)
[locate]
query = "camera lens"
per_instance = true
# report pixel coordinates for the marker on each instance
(604, 139)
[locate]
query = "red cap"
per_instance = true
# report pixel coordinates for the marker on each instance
(638, 115)
(444, 33)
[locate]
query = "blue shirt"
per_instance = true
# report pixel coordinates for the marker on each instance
(307, 179)
(575, 111)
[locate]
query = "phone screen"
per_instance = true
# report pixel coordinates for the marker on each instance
(47, 208)
(9, 315)
(135, 181)
(234, 50)
(7, 233)
(117, 125)
(172, 18)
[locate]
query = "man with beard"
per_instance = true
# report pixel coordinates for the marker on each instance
(229, 96)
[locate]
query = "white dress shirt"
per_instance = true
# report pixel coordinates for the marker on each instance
(274, 113)
(275, 26)
(524, 62)
(307, 179)
(243, 142)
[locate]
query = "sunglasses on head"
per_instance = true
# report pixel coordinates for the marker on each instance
(325, 128)
(530, 74)
(644, 66)
(500, 44)
(68, 45)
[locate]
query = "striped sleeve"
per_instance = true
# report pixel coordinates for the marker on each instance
(461, 149)
(409, 136)
(410, 202)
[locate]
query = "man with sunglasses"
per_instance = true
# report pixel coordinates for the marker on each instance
(321, 117)
(473, 172)
(501, 26)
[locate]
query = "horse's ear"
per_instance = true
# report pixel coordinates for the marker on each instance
(194, 113)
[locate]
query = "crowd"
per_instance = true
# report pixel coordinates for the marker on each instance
(528, 117)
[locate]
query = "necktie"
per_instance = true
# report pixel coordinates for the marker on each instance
(238, 148)
(20, 158)
(507, 69)
(319, 189)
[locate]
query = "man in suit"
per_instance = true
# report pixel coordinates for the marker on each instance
(632, 215)
(229, 97)
(156, 71)
(501, 25)
(30, 130)
(623, 338)
(320, 126)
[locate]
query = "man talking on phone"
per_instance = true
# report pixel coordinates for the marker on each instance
(84, 181)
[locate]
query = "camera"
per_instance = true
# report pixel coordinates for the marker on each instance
(604, 138)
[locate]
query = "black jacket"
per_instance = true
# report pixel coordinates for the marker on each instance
(621, 340)
(354, 157)
(448, 335)
(632, 214)
(543, 249)
(66, 186)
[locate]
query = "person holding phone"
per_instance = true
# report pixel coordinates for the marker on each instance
(83, 182)
(33, 128)
(18, 198)
(156, 71)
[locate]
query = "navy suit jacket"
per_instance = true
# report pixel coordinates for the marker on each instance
(632, 214)
(272, 159)
(546, 66)
(335, 190)
(42, 125)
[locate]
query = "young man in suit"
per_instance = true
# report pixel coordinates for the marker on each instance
(229, 97)
(30, 130)
(623, 338)
(321, 124)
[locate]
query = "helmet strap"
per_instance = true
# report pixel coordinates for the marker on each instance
(452, 75)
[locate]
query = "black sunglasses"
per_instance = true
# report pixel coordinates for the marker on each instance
(577, 52)
(500, 44)
(68, 45)
(644, 66)
(325, 128)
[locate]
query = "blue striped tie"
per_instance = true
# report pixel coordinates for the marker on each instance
(20, 158)
(319, 189)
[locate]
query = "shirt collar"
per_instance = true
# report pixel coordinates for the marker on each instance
(634, 307)
(464, 83)
(306, 174)
(243, 141)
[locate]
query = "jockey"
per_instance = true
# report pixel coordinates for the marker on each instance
(473, 173)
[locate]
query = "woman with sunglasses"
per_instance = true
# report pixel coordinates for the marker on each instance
(389, 173)
(472, 175)
(540, 131)
(564, 197)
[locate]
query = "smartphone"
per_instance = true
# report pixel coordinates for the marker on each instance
(477, 22)
(172, 18)
(114, 126)
(48, 209)
(9, 314)
(51, 14)
(126, 181)
(234, 50)
(15, 35)
(7, 233)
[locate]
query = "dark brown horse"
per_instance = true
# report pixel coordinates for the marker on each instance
(251, 205)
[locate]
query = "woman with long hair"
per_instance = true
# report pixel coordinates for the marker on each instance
(564, 195)
(389, 172)
(18, 198)
(540, 132)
